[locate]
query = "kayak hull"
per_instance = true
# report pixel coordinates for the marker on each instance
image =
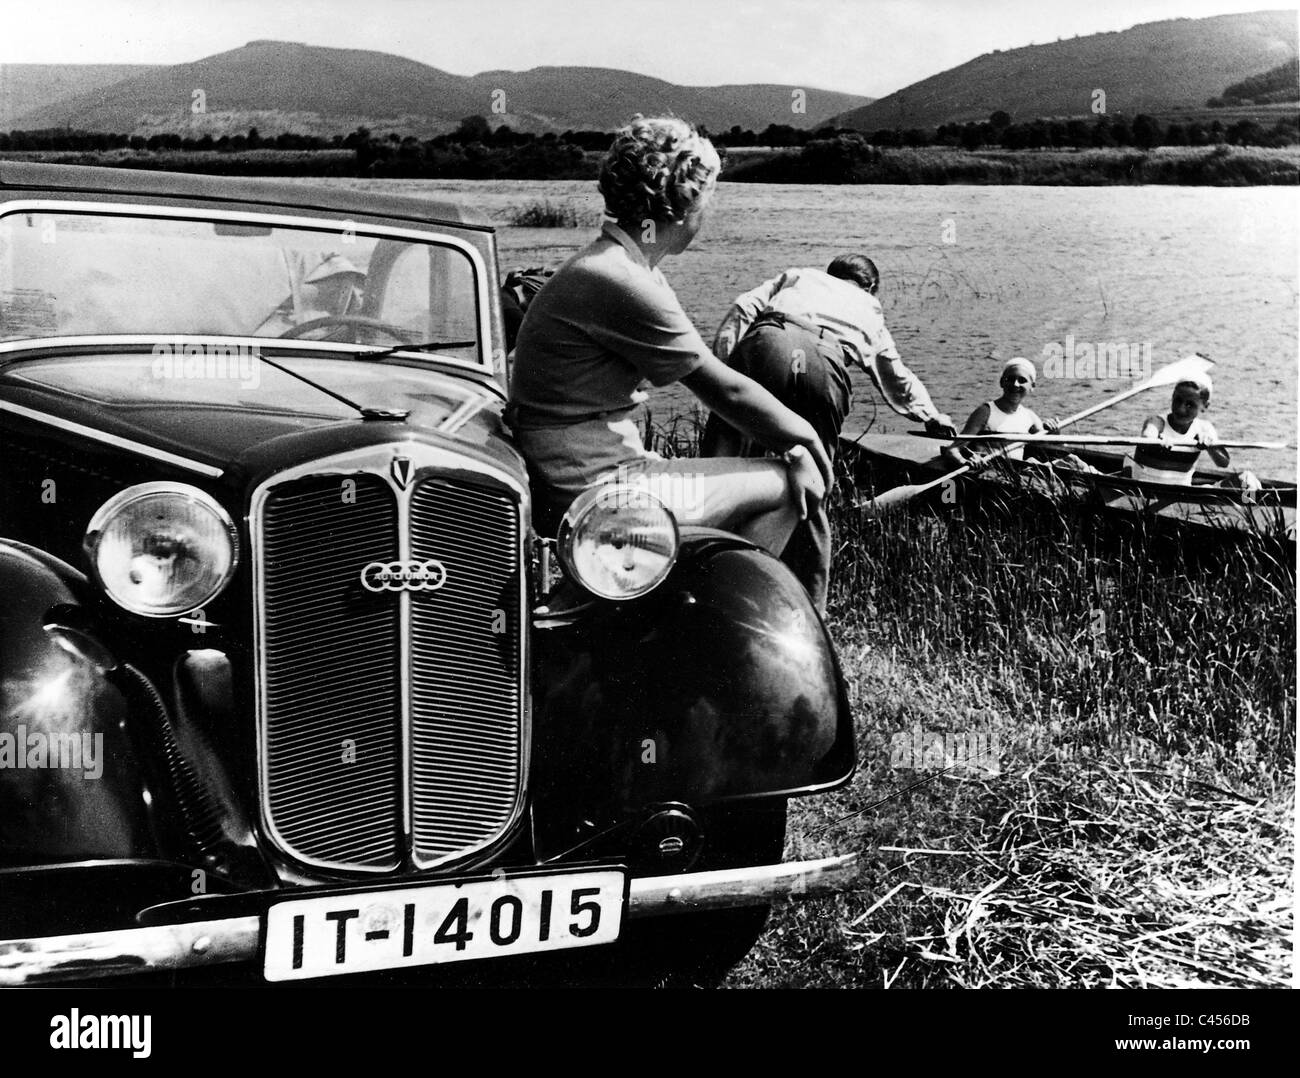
(880, 461)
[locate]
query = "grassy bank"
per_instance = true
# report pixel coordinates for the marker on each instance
(1129, 822)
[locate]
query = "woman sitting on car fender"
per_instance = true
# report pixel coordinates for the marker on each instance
(608, 320)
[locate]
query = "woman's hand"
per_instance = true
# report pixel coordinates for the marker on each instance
(823, 461)
(807, 488)
(1052, 426)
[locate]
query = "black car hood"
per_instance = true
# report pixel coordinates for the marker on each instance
(221, 414)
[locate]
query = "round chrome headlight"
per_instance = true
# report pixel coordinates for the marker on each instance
(618, 541)
(162, 549)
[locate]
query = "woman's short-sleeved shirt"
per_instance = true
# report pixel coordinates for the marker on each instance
(604, 324)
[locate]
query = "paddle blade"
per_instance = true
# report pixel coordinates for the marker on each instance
(1185, 369)
(1188, 368)
(890, 499)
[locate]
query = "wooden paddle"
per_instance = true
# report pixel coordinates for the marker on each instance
(1106, 439)
(1182, 370)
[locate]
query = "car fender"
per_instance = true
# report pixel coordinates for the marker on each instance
(720, 685)
(69, 786)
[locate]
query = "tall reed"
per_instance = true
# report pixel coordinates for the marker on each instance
(1115, 630)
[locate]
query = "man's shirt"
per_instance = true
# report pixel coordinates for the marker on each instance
(846, 310)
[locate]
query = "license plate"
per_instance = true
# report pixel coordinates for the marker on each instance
(449, 922)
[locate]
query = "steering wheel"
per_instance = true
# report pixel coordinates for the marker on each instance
(363, 321)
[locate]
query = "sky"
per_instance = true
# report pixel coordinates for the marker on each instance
(870, 47)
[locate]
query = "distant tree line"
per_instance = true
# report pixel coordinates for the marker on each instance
(59, 138)
(476, 150)
(1142, 132)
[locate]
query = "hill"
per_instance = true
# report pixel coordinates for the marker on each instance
(1154, 67)
(559, 98)
(284, 86)
(278, 85)
(26, 87)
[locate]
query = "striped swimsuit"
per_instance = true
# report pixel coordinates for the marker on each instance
(1155, 464)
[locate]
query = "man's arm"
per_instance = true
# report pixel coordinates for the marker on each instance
(747, 306)
(903, 391)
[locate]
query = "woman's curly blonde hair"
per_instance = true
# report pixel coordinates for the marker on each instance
(656, 170)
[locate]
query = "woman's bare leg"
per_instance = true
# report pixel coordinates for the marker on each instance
(750, 496)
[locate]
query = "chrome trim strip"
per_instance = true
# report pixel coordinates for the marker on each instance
(130, 950)
(406, 814)
(113, 440)
(377, 460)
(45, 959)
(302, 224)
(655, 896)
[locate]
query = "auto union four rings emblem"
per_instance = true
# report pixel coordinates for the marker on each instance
(427, 575)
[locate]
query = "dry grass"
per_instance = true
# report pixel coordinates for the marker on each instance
(1074, 867)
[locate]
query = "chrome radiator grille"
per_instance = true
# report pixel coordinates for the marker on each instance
(391, 720)
(332, 735)
(464, 668)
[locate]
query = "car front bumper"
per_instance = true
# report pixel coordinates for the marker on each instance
(53, 959)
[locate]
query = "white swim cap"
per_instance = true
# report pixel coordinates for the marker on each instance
(1201, 382)
(1020, 363)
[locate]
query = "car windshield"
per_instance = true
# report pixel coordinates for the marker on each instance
(97, 273)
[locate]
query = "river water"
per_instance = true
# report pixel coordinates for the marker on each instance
(975, 275)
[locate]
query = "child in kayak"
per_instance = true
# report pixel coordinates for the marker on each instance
(1183, 427)
(1005, 415)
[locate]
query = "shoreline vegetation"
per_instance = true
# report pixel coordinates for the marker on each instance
(1135, 691)
(1216, 166)
(1107, 151)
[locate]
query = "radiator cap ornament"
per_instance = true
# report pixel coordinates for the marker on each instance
(402, 471)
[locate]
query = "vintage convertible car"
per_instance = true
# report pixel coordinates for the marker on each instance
(293, 687)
